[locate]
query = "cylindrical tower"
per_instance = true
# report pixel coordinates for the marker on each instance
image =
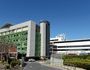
(31, 39)
(45, 38)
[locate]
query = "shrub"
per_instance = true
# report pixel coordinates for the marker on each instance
(15, 62)
(82, 61)
(7, 66)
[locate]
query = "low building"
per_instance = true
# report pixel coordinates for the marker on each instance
(79, 46)
(8, 51)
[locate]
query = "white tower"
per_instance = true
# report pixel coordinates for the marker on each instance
(45, 38)
(31, 39)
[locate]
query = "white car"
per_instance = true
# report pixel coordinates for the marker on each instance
(31, 60)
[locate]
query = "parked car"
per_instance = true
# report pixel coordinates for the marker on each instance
(31, 60)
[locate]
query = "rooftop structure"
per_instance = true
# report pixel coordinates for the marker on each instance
(60, 37)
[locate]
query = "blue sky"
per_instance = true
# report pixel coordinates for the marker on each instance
(71, 17)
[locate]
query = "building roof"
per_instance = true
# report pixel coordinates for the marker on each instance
(7, 25)
(79, 40)
(45, 21)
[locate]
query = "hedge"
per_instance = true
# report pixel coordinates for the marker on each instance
(82, 61)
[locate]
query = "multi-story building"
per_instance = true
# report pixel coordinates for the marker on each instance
(30, 39)
(61, 46)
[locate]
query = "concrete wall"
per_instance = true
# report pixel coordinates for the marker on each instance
(43, 38)
(31, 39)
(73, 47)
(73, 43)
(29, 26)
(15, 27)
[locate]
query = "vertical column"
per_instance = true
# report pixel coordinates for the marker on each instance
(31, 39)
(45, 37)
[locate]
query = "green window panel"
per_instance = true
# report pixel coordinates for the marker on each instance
(37, 45)
(18, 38)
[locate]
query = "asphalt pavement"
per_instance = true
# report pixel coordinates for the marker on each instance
(38, 66)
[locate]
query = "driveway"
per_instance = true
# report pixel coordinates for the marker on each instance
(38, 66)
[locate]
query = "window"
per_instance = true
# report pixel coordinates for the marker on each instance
(25, 43)
(18, 48)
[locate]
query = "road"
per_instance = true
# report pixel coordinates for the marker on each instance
(37, 66)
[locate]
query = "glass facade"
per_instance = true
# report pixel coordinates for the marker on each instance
(37, 44)
(37, 41)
